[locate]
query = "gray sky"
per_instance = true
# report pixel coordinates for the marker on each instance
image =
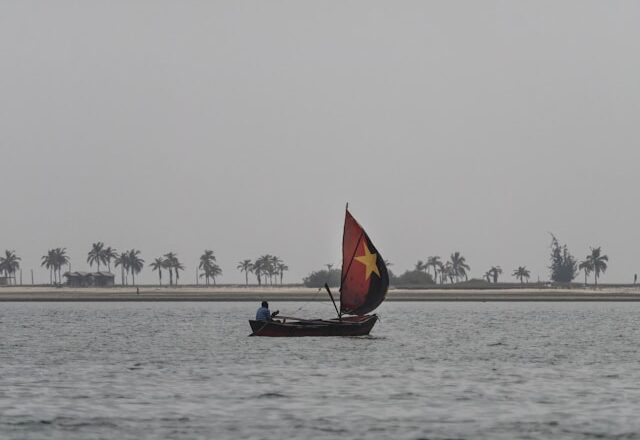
(244, 127)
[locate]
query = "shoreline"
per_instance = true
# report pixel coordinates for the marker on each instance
(302, 294)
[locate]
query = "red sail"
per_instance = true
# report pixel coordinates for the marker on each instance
(364, 275)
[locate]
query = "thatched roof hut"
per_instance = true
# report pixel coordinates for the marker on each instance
(89, 279)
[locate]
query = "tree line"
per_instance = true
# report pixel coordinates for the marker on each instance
(268, 269)
(433, 270)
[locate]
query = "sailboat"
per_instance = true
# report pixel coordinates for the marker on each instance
(363, 287)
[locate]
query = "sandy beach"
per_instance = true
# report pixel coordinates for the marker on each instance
(226, 293)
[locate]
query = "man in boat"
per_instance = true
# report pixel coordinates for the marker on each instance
(264, 314)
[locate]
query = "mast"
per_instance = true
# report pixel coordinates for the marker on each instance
(326, 286)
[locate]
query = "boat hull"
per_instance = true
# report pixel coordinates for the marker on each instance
(347, 326)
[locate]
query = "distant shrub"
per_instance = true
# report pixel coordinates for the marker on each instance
(320, 277)
(414, 278)
(564, 267)
(392, 277)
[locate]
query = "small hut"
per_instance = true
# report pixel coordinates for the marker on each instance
(78, 279)
(89, 279)
(103, 279)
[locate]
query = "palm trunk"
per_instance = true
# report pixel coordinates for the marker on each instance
(246, 278)
(160, 276)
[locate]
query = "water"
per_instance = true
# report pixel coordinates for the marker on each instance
(428, 371)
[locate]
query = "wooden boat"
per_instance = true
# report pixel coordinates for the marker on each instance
(363, 287)
(346, 326)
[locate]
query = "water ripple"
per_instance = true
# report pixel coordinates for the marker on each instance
(432, 371)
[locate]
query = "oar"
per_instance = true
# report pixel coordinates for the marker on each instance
(297, 319)
(305, 320)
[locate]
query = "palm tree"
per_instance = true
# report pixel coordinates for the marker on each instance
(420, 266)
(274, 262)
(48, 261)
(439, 269)
(585, 266)
(265, 265)
(122, 260)
(487, 276)
(447, 272)
(495, 271)
(177, 267)
(459, 266)
(158, 264)
(211, 270)
(245, 266)
(257, 270)
(597, 262)
(60, 258)
(521, 272)
(96, 254)
(216, 271)
(282, 268)
(435, 263)
(170, 259)
(9, 264)
(135, 263)
(109, 254)
(206, 262)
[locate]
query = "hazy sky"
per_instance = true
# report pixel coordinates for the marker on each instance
(244, 127)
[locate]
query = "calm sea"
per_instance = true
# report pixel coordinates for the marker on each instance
(428, 371)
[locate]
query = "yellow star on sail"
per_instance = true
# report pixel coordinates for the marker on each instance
(369, 260)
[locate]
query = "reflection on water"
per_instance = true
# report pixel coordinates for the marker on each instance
(429, 370)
